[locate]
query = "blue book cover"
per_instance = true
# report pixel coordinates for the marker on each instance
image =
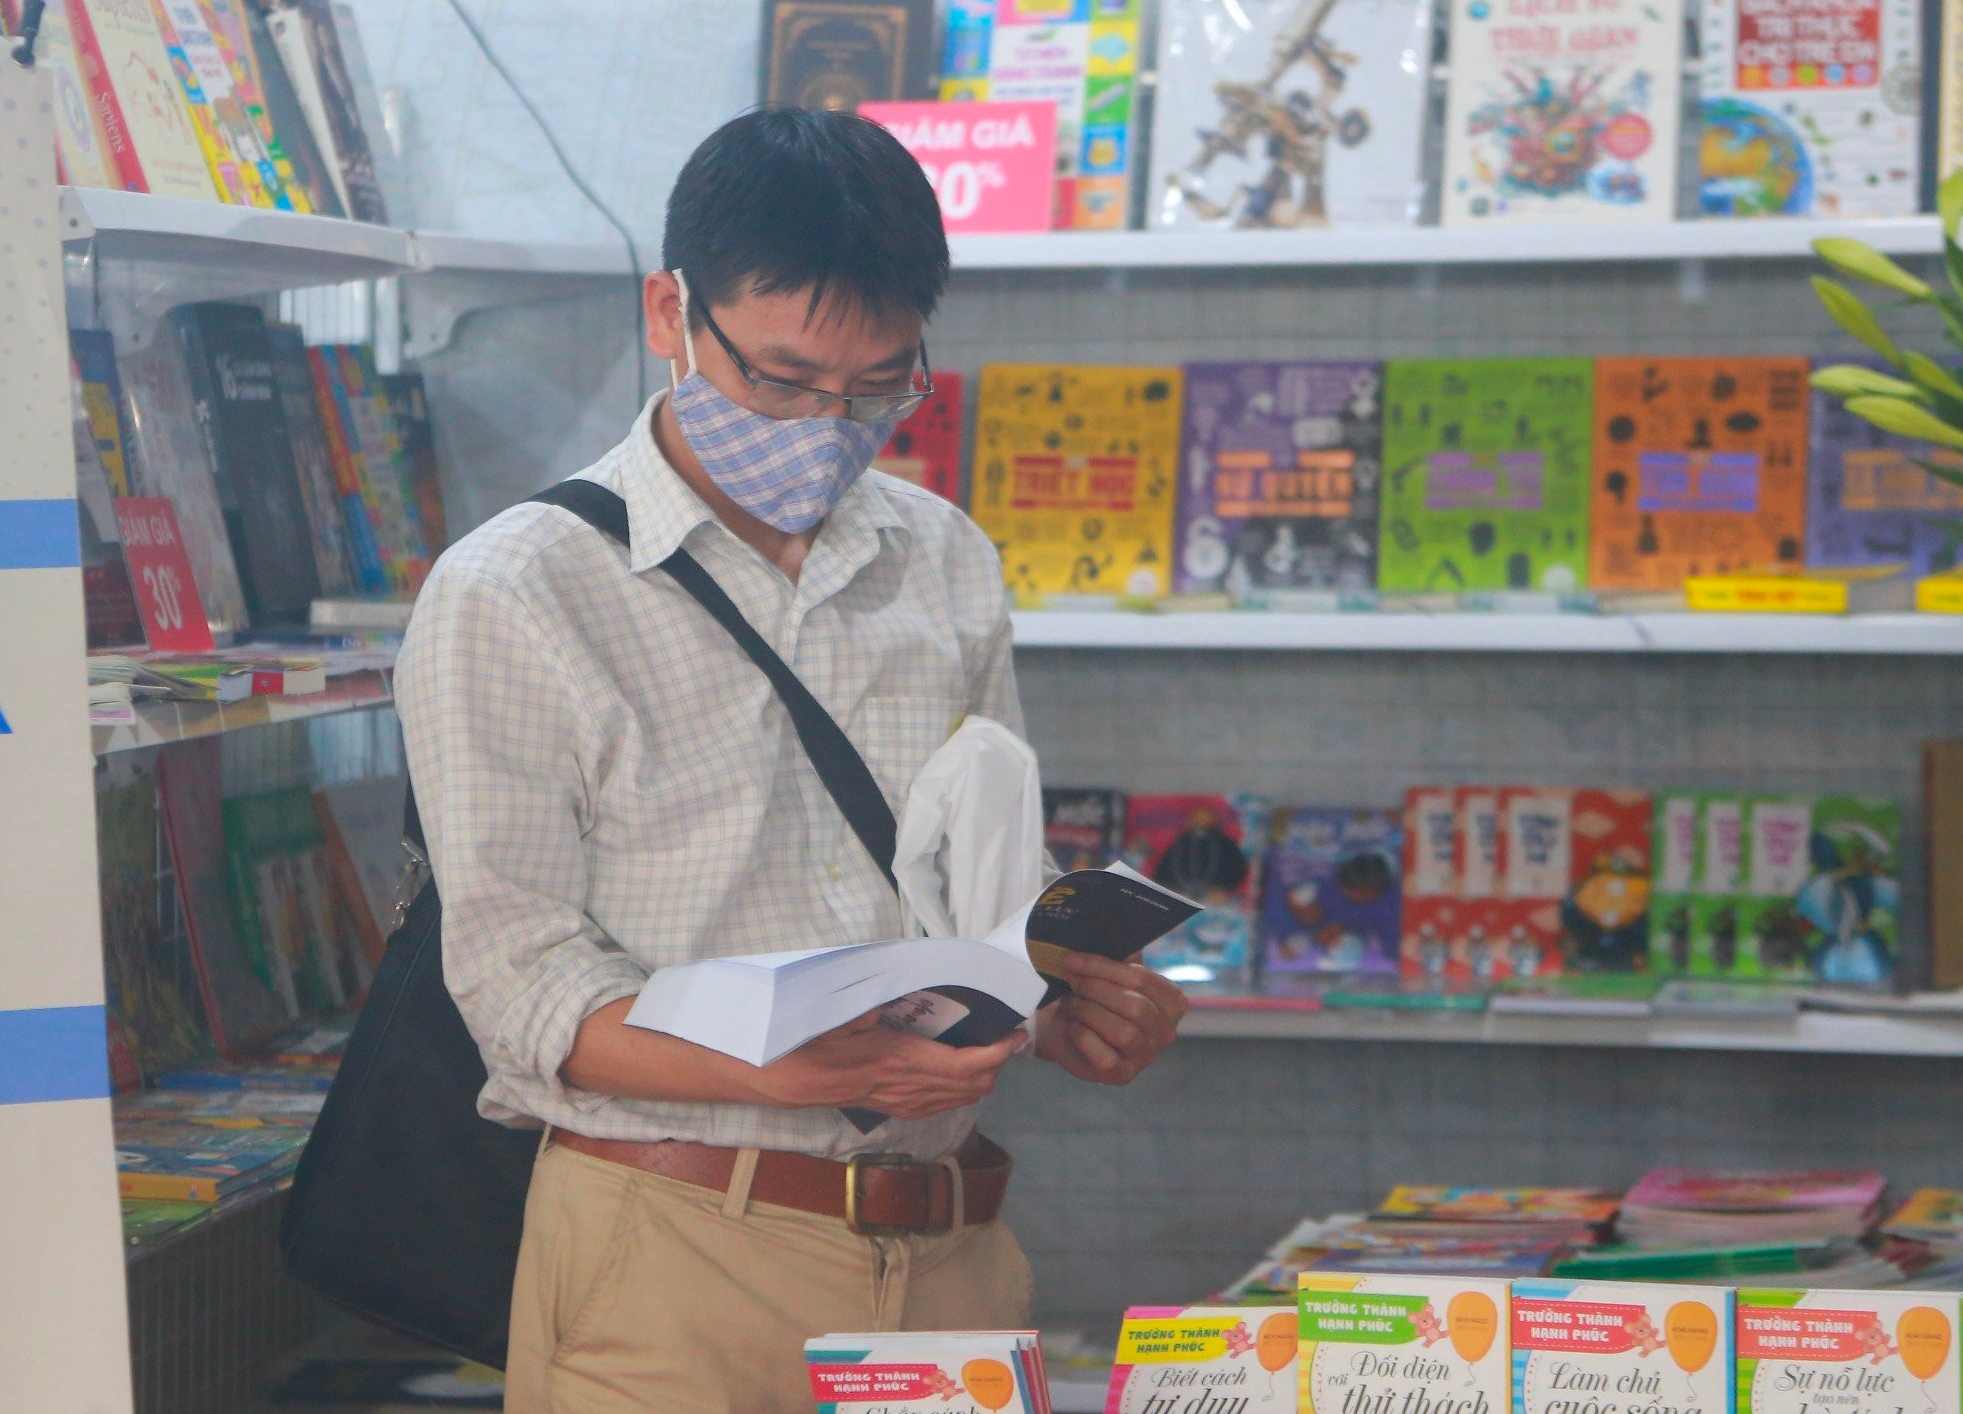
(1333, 889)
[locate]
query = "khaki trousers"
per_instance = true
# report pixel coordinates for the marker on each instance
(637, 1292)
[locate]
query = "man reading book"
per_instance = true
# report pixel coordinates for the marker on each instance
(609, 786)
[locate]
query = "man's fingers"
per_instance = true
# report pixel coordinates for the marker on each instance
(1140, 1009)
(1103, 1060)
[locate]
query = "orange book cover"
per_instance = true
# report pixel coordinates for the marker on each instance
(1700, 469)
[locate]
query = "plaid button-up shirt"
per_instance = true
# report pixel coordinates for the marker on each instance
(609, 786)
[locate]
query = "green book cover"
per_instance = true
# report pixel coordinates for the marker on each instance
(1823, 894)
(1486, 482)
(1676, 823)
(1722, 848)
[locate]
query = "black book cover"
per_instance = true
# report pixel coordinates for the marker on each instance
(313, 464)
(289, 119)
(238, 410)
(840, 53)
(1083, 829)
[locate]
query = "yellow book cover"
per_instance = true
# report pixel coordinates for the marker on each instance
(218, 158)
(1939, 594)
(183, 1187)
(151, 97)
(1403, 1344)
(1074, 476)
(1765, 594)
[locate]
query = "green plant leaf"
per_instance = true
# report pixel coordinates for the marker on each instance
(1929, 374)
(1949, 202)
(1953, 264)
(1853, 380)
(1861, 261)
(1905, 419)
(1942, 471)
(1850, 314)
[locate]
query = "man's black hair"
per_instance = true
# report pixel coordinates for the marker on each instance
(788, 199)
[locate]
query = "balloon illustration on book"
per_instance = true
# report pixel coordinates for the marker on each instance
(1691, 1329)
(1923, 1336)
(1472, 1322)
(1276, 1345)
(988, 1383)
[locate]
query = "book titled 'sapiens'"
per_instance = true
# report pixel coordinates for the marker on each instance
(837, 54)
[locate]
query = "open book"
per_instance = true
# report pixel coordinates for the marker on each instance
(966, 992)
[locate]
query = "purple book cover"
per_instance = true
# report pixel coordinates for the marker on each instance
(1278, 477)
(1868, 503)
(1332, 896)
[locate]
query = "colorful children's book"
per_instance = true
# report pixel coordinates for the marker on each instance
(1803, 1350)
(1636, 1345)
(1700, 468)
(282, 891)
(313, 465)
(1074, 474)
(1331, 891)
(133, 88)
(408, 401)
(1429, 918)
(1278, 478)
(202, 1163)
(950, 1372)
(1810, 111)
(1932, 1214)
(1208, 848)
(241, 167)
(1675, 1208)
(1083, 829)
(1563, 113)
(1204, 1357)
(371, 553)
(1586, 1207)
(1822, 892)
(1869, 504)
(926, 448)
(102, 402)
(1480, 949)
(1081, 55)
(148, 1220)
(1273, 114)
(1675, 852)
(1605, 906)
(1486, 466)
(1391, 1343)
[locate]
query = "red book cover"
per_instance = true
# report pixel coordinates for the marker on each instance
(1431, 913)
(102, 93)
(926, 448)
(1478, 947)
(1605, 917)
(1536, 853)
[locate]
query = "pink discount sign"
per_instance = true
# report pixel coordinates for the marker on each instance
(993, 165)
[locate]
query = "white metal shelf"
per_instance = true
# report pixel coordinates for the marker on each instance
(1558, 243)
(162, 723)
(1496, 632)
(1809, 1031)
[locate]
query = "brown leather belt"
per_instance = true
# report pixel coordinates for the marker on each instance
(875, 1195)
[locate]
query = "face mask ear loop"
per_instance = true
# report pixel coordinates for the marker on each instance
(688, 341)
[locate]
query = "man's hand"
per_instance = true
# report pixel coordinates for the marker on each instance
(867, 1065)
(1116, 1021)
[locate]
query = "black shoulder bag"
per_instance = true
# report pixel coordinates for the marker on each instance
(408, 1205)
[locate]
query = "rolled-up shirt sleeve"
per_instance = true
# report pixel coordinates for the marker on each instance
(492, 730)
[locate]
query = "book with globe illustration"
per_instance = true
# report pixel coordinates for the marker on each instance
(1331, 891)
(1486, 475)
(1279, 470)
(1239, 1358)
(1393, 1342)
(1230, 147)
(1797, 1348)
(1075, 467)
(1700, 469)
(1564, 113)
(1810, 110)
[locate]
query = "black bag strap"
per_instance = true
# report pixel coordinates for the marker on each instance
(839, 765)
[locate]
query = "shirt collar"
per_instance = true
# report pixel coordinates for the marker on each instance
(663, 510)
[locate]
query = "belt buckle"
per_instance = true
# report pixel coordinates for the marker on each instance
(857, 1165)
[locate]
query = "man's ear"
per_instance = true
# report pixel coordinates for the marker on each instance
(661, 301)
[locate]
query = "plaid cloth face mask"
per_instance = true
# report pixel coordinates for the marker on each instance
(787, 472)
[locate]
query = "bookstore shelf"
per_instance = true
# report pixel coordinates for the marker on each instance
(1937, 634)
(1810, 1031)
(161, 723)
(1606, 243)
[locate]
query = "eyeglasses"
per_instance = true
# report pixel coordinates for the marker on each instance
(775, 399)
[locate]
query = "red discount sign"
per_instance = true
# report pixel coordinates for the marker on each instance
(993, 165)
(160, 573)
